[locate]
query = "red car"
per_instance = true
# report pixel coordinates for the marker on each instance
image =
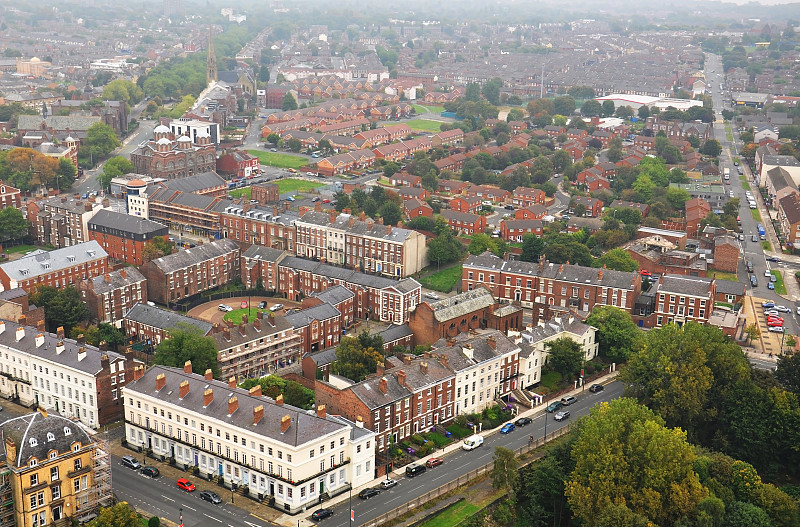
(244, 304)
(326, 200)
(645, 272)
(434, 462)
(186, 485)
(775, 323)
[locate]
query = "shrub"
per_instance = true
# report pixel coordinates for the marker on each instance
(154, 521)
(418, 439)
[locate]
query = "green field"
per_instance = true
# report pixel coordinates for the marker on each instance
(425, 125)
(780, 287)
(19, 249)
(745, 184)
(443, 280)
(284, 186)
(274, 159)
(236, 315)
(453, 515)
(239, 192)
(420, 108)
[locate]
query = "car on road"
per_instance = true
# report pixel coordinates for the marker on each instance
(290, 198)
(568, 400)
(432, 296)
(185, 484)
(509, 207)
(224, 307)
(753, 238)
(767, 274)
(798, 310)
(753, 281)
(773, 278)
(326, 200)
(262, 304)
(434, 462)
(773, 259)
(211, 497)
(783, 309)
(772, 312)
(85, 195)
(552, 407)
(560, 416)
(130, 462)
(508, 427)
(366, 494)
(316, 199)
(276, 307)
(775, 323)
(150, 472)
(522, 421)
(321, 514)
(388, 483)
(594, 388)
(741, 237)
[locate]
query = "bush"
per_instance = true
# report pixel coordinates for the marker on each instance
(418, 439)
(155, 521)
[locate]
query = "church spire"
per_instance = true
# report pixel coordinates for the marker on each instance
(211, 61)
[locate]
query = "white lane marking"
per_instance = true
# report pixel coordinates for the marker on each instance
(166, 498)
(211, 517)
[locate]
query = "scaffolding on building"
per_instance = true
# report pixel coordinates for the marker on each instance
(7, 518)
(98, 495)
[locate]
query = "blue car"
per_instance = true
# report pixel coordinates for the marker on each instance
(768, 304)
(770, 285)
(508, 427)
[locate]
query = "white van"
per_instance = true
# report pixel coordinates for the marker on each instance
(472, 442)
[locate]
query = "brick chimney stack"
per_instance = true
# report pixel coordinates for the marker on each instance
(380, 368)
(80, 340)
(286, 422)
(209, 375)
(388, 229)
(208, 397)
(245, 319)
(401, 378)
(40, 325)
(231, 382)
(87, 206)
(600, 274)
(379, 221)
(187, 367)
(279, 400)
(103, 346)
(255, 391)
(258, 414)
(60, 332)
(257, 323)
(492, 342)
(383, 385)
(333, 216)
(233, 405)
(423, 367)
(108, 278)
(318, 206)
(161, 381)
(443, 359)
(138, 372)
(184, 389)
(226, 333)
(321, 412)
(351, 222)
(242, 329)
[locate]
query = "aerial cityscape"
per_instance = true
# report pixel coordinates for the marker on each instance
(475, 264)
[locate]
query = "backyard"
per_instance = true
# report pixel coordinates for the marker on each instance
(425, 125)
(443, 280)
(725, 276)
(274, 159)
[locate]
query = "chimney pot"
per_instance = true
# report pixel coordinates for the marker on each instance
(103, 346)
(40, 325)
(60, 332)
(208, 396)
(321, 412)
(380, 368)
(233, 405)
(209, 375)
(138, 372)
(22, 320)
(286, 422)
(388, 229)
(492, 341)
(81, 339)
(423, 366)
(184, 389)
(161, 381)
(187, 367)
(401, 378)
(231, 382)
(108, 278)
(383, 385)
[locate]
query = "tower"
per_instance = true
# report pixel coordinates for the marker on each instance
(211, 61)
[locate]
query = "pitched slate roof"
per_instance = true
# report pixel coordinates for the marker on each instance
(334, 295)
(396, 332)
(685, 285)
(163, 319)
(461, 304)
(116, 280)
(125, 222)
(36, 263)
(195, 255)
(37, 434)
(305, 317)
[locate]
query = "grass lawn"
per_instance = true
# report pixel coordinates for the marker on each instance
(296, 185)
(780, 287)
(426, 125)
(239, 192)
(453, 515)
(443, 280)
(424, 108)
(236, 315)
(279, 160)
(19, 249)
(756, 214)
(766, 245)
(725, 276)
(745, 184)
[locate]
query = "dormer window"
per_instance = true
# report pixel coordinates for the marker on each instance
(33, 462)
(67, 431)
(51, 436)
(76, 447)
(71, 258)
(33, 442)
(53, 454)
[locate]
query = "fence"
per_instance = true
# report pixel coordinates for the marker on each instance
(195, 301)
(416, 503)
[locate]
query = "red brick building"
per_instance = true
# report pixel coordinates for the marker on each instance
(525, 197)
(123, 236)
(59, 268)
(471, 205)
(261, 263)
(414, 208)
(111, 295)
(265, 193)
(515, 230)
(319, 327)
(726, 254)
(151, 325)
(261, 226)
(696, 211)
(531, 212)
(339, 297)
(593, 207)
(237, 164)
(9, 196)
(463, 222)
(191, 271)
(170, 157)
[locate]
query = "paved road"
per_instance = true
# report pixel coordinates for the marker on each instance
(162, 497)
(462, 462)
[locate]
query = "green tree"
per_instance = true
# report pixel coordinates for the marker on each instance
(643, 112)
(473, 92)
(13, 225)
(154, 521)
(263, 73)
(293, 392)
(480, 243)
(787, 372)
(617, 333)
(491, 90)
(289, 102)
(445, 249)
(391, 213)
(355, 362)
(273, 138)
(591, 108)
(565, 356)
(617, 259)
(187, 342)
(625, 455)
(505, 471)
(156, 248)
(119, 515)
(114, 167)
(563, 105)
(532, 248)
(391, 168)
(742, 514)
(294, 144)
(100, 141)
(62, 307)
(123, 90)
(608, 108)
(711, 148)
(753, 332)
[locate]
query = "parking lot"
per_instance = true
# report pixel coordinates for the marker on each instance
(770, 342)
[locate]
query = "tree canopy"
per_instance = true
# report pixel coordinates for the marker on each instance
(62, 307)
(617, 334)
(357, 357)
(187, 342)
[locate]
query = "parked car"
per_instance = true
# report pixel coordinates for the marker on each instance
(798, 310)
(767, 274)
(432, 296)
(130, 462)
(211, 497)
(326, 200)
(388, 483)
(594, 388)
(150, 472)
(568, 400)
(321, 514)
(770, 285)
(243, 305)
(753, 238)
(509, 207)
(645, 272)
(434, 462)
(276, 307)
(560, 416)
(522, 421)
(185, 484)
(773, 278)
(777, 329)
(262, 304)
(508, 427)
(773, 259)
(224, 307)
(552, 407)
(753, 281)
(783, 309)
(769, 303)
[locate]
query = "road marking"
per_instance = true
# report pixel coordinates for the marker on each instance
(211, 517)
(252, 524)
(166, 498)
(191, 509)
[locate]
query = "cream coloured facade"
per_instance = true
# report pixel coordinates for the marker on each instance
(275, 450)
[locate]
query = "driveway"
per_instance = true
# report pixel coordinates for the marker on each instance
(211, 313)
